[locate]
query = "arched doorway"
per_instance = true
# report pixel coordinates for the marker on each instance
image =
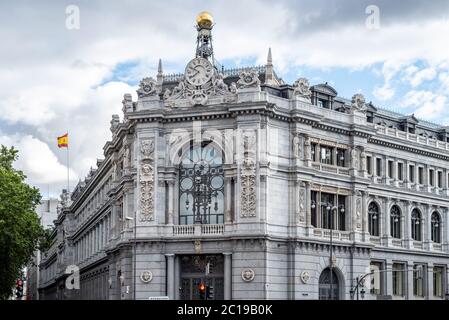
(325, 285)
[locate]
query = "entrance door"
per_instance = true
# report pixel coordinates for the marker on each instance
(202, 277)
(325, 285)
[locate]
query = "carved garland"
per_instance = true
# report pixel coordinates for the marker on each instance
(248, 188)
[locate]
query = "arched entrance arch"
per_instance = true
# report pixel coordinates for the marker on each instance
(324, 283)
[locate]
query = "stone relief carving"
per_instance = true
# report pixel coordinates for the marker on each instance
(248, 188)
(358, 103)
(354, 158)
(296, 145)
(147, 181)
(358, 212)
(147, 88)
(146, 276)
(301, 89)
(305, 277)
(302, 204)
(200, 95)
(248, 275)
(307, 149)
(363, 160)
(248, 79)
(126, 156)
(147, 148)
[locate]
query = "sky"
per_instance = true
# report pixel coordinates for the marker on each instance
(62, 74)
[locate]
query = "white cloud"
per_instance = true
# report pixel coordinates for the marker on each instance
(416, 77)
(386, 92)
(427, 105)
(37, 161)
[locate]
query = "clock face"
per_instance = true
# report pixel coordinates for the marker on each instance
(199, 71)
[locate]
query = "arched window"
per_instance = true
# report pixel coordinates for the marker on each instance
(201, 185)
(416, 225)
(373, 216)
(395, 222)
(436, 227)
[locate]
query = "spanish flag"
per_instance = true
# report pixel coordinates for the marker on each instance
(63, 141)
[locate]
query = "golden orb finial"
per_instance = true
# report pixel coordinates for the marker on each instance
(204, 20)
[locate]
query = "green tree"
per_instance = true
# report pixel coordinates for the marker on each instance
(20, 229)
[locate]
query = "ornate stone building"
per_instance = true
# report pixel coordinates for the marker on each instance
(230, 180)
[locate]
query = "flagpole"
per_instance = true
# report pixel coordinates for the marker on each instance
(68, 165)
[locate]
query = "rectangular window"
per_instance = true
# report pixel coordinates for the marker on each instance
(418, 280)
(390, 169)
(376, 283)
(431, 177)
(369, 167)
(378, 167)
(326, 155)
(440, 179)
(341, 157)
(438, 281)
(314, 208)
(398, 279)
(411, 173)
(400, 171)
(420, 175)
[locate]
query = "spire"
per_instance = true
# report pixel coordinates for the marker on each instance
(269, 58)
(270, 78)
(160, 74)
(159, 67)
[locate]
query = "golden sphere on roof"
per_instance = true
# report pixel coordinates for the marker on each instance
(204, 20)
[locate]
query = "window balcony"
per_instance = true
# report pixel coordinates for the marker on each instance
(198, 230)
(336, 234)
(396, 242)
(330, 168)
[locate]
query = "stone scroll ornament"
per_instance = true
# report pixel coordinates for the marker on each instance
(248, 275)
(248, 79)
(302, 204)
(301, 89)
(146, 181)
(147, 88)
(358, 211)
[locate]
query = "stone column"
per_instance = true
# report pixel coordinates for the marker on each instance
(386, 216)
(308, 204)
(228, 196)
(429, 282)
(408, 225)
(170, 276)
(409, 280)
(177, 276)
(388, 278)
(426, 227)
(366, 235)
(445, 229)
(171, 185)
(227, 275)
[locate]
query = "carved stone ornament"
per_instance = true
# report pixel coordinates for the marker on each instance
(146, 276)
(199, 92)
(358, 213)
(296, 145)
(146, 181)
(248, 79)
(358, 103)
(126, 156)
(197, 245)
(248, 275)
(147, 88)
(354, 158)
(146, 192)
(305, 277)
(302, 204)
(301, 89)
(248, 189)
(147, 148)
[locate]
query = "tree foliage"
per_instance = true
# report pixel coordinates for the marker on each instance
(21, 232)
